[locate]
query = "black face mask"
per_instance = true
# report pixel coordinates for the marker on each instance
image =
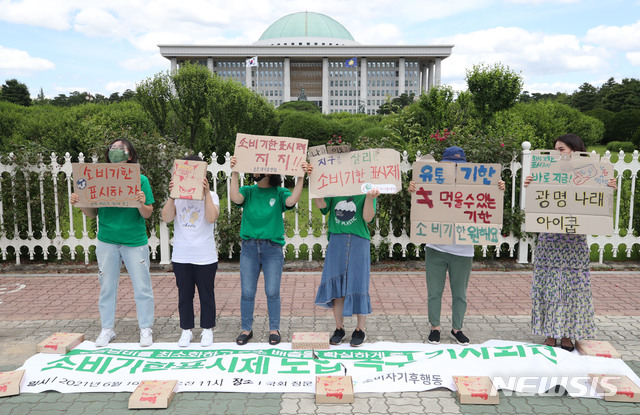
(257, 179)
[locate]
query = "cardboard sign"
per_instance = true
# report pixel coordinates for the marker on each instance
(153, 394)
(597, 348)
(60, 343)
(10, 382)
(106, 184)
(616, 388)
(338, 149)
(310, 341)
(355, 173)
(334, 389)
(187, 176)
(476, 390)
(270, 155)
(569, 194)
(458, 203)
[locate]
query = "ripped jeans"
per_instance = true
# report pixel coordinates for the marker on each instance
(136, 259)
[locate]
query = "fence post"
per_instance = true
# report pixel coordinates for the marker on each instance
(164, 244)
(523, 244)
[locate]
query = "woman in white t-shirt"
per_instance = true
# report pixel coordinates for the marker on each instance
(194, 258)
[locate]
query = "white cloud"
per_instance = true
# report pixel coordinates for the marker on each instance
(616, 37)
(14, 61)
(145, 63)
(98, 23)
(45, 13)
(120, 86)
(634, 58)
(553, 87)
(538, 2)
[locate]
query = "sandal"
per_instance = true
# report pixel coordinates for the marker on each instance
(566, 347)
(550, 341)
(244, 338)
(274, 339)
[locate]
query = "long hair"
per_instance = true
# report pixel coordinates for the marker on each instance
(275, 180)
(133, 154)
(572, 141)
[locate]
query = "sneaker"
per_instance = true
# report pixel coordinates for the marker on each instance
(357, 338)
(106, 335)
(185, 338)
(146, 337)
(337, 337)
(460, 338)
(434, 337)
(207, 338)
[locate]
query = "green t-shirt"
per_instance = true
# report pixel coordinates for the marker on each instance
(262, 212)
(345, 215)
(125, 226)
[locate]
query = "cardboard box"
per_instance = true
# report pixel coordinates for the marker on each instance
(597, 348)
(310, 340)
(153, 394)
(10, 382)
(476, 390)
(334, 389)
(60, 343)
(616, 388)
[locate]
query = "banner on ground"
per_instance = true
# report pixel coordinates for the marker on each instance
(569, 194)
(378, 367)
(458, 202)
(106, 184)
(270, 155)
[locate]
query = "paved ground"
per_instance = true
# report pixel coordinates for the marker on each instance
(34, 306)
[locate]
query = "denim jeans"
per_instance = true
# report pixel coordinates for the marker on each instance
(259, 254)
(136, 259)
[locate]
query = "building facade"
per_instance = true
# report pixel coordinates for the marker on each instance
(311, 56)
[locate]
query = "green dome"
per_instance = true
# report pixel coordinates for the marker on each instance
(305, 25)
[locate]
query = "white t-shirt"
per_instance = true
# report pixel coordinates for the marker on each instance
(460, 250)
(193, 240)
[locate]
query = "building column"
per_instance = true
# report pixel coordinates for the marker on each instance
(286, 97)
(363, 84)
(325, 85)
(431, 71)
(174, 64)
(401, 75)
(425, 79)
(247, 76)
(210, 64)
(437, 74)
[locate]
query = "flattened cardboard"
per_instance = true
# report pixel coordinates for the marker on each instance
(338, 149)
(579, 224)
(153, 394)
(578, 169)
(597, 348)
(457, 203)
(310, 340)
(569, 200)
(60, 343)
(10, 382)
(616, 388)
(317, 151)
(187, 176)
(428, 171)
(106, 184)
(486, 174)
(334, 389)
(270, 155)
(476, 390)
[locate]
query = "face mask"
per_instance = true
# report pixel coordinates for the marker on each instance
(117, 155)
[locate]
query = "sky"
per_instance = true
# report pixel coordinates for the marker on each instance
(107, 46)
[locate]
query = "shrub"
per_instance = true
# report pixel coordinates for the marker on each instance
(616, 146)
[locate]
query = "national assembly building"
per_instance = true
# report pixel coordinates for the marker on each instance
(311, 56)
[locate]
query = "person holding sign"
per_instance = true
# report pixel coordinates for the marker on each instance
(561, 301)
(344, 286)
(122, 236)
(194, 258)
(457, 260)
(262, 234)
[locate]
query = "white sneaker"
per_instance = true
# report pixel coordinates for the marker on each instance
(106, 335)
(185, 338)
(207, 338)
(146, 337)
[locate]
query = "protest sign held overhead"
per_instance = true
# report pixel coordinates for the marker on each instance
(187, 176)
(106, 184)
(270, 155)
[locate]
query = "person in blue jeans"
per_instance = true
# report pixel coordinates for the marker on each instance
(262, 234)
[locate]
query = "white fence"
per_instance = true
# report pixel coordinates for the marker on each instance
(25, 240)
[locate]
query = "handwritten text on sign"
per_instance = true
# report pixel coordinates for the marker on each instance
(569, 194)
(355, 172)
(187, 176)
(270, 155)
(106, 184)
(456, 202)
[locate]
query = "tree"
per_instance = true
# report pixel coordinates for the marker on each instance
(154, 95)
(624, 125)
(15, 92)
(585, 98)
(493, 88)
(299, 106)
(623, 96)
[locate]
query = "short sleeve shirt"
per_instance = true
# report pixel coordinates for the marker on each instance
(193, 238)
(345, 215)
(262, 212)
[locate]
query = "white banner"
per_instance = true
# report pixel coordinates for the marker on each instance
(378, 367)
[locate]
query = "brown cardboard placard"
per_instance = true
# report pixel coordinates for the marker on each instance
(616, 388)
(597, 348)
(476, 390)
(60, 343)
(578, 224)
(486, 174)
(317, 151)
(428, 171)
(569, 200)
(457, 203)
(10, 382)
(106, 184)
(270, 155)
(355, 173)
(334, 389)
(153, 394)
(345, 148)
(578, 169)
(465, 233)
(187, 176)
(310, 340)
